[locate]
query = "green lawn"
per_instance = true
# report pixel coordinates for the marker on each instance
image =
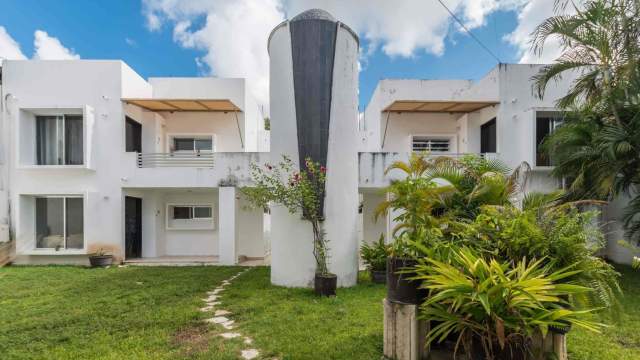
(152, 313)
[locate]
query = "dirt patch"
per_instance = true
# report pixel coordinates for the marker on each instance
(628, 343)
(193, 339)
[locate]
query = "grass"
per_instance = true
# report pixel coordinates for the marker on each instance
(152, 313)
(118, 313)
(621, 339)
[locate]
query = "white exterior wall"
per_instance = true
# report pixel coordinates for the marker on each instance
(342, 199)
(291, 235)
(291, 238)
(95, 89)
(48, 85)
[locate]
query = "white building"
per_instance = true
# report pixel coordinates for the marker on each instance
(94, 156)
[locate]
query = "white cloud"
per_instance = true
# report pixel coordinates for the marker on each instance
(528, 19)
(131, 42)
(233, 34)
(50, 48)
(9, 48)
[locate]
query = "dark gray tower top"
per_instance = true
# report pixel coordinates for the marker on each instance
(314, 14)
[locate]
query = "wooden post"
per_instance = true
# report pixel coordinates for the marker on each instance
(404, 333)
(560, 346)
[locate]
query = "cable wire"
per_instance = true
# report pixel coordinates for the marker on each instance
(469, 31)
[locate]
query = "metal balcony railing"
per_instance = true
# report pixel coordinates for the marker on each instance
(175, 159)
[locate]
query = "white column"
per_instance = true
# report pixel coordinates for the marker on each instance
(228, 225)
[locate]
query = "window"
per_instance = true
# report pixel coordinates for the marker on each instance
(133, 135)
(488, 137)
(59, 140)
(431, 144)
(59, 223)
(546, 123)
(189, 217)
(193, 143)
(189, 212)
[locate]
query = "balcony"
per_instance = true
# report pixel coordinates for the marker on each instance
(371, 166)
(205, 170)
(175, 159)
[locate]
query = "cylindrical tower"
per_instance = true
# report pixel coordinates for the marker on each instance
(314, 112)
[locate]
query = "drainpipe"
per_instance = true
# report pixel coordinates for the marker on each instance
(4, 182)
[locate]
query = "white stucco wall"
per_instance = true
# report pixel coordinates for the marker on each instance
(42, 87)
(291, 235)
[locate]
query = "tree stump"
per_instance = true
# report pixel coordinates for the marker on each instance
(404, 334)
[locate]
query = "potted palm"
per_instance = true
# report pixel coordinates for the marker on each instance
(375, 258)
(413, 199)
(100, 258)
(301, 192)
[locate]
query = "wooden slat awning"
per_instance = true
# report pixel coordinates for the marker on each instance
(184, 104)
(438, 106)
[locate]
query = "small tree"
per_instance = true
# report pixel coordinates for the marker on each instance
(299, 191)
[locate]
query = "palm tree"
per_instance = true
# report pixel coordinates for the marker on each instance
(442, 187)
(597, 150)
(600, 43)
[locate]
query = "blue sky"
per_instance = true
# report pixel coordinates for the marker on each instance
(120, 30)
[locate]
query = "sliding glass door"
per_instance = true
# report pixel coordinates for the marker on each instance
(59, 222)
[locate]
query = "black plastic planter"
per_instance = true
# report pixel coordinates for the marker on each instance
(561, 330)
(325, 285)
(399, 288)
(379, 276)
(101, 261)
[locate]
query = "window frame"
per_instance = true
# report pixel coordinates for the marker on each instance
(193, 220)
(64, 222)
(194, 136)
(452, 138)
(534, 138)
(134, 124)
(61, 143)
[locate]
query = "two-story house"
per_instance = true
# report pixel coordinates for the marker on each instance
(94, 156)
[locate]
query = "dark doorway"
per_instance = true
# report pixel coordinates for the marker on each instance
(133, 135)
(488, 137)
(132, 227)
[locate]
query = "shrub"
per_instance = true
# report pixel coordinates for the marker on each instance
(375, 255)
(499, 305)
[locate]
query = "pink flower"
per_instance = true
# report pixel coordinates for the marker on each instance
(323, 169)
(268, 166)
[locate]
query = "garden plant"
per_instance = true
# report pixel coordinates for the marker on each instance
(301, 192)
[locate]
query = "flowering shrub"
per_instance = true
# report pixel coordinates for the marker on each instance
(301, 192)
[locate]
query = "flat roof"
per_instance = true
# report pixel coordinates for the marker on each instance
(438, 106)
(184, 104)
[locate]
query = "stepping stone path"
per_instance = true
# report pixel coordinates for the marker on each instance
(220, 317)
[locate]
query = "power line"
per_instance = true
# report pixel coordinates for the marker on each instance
(469, 31)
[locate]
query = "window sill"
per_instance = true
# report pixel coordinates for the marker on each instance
(54, 252)
(210, 228)
(543, 168)
(54, 167)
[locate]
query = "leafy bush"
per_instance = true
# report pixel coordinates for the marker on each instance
(375, 255)
(499, 305)
(301, 192)
(562, 235)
